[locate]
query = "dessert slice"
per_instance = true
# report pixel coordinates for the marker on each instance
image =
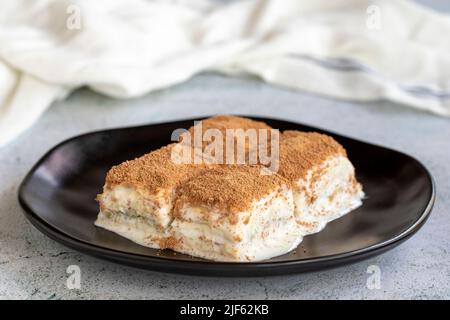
(225, 139)
(233, 213)
(322, 178)
(138, 196)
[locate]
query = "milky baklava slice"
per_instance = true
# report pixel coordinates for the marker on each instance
(233, 213)
(322, 178)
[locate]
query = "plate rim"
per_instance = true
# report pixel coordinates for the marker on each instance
(232, 267)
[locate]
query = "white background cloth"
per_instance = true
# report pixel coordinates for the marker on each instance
(347, 49)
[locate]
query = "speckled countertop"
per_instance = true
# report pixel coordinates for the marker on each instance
(34, 267)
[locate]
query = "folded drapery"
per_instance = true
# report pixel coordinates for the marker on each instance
(349, 49)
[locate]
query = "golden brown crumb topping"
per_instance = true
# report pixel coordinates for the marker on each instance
(301, 151)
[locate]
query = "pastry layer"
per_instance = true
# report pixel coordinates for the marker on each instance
(135, 228)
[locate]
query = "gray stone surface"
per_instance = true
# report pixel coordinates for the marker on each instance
(34, 267)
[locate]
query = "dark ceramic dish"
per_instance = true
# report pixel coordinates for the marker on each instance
(58, 198)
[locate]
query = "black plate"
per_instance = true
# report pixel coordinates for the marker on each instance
(58, 198)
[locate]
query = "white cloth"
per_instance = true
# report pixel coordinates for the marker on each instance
(349, 49)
